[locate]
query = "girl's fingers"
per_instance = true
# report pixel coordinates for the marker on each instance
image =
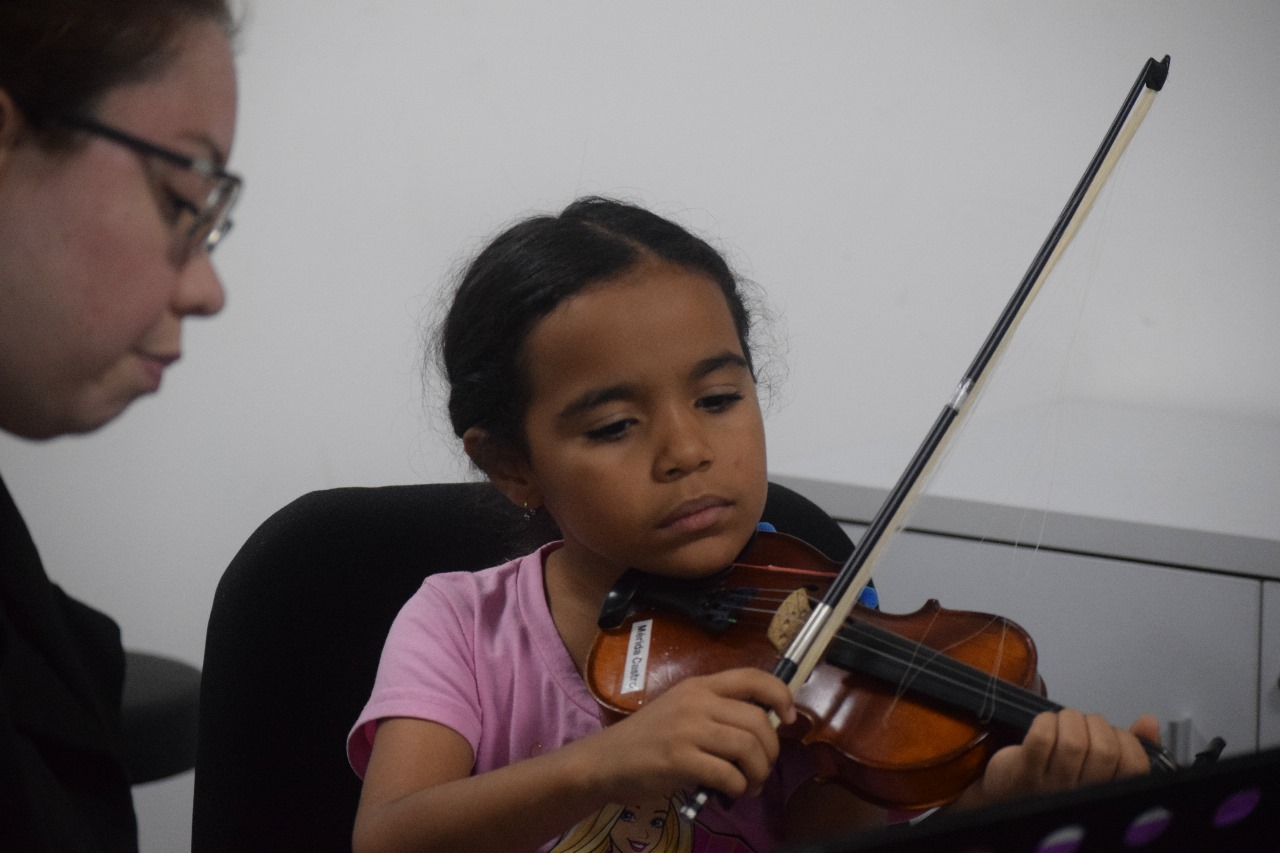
(1063, 750)
(1134, 760)
(742, 733)
(713, 731)
(1102, 760)
(1038, 745)
(758, 687)
(1069, 749)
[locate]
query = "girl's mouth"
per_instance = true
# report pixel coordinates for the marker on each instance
(697, 515)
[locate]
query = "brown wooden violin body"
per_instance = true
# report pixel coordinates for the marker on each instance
(873, 713)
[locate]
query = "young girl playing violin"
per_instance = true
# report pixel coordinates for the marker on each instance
(601, 374)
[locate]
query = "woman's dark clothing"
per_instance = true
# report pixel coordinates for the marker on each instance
(63, 782)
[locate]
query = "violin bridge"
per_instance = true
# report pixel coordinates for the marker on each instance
(789, 619)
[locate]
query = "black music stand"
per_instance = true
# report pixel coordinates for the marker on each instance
(1231, 806)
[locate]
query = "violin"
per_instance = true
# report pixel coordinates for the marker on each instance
(905, 710)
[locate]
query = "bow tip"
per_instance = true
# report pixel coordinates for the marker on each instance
(1157, 73)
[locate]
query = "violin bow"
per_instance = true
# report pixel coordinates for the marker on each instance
(810, 644)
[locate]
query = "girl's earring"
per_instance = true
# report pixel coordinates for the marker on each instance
(528, 513)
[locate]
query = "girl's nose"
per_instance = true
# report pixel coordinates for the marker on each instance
(684, 448)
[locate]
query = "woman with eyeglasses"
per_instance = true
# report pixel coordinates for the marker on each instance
(116, 120)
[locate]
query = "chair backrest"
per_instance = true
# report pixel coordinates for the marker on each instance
(295, 634)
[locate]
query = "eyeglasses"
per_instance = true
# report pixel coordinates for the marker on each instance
(200, 226)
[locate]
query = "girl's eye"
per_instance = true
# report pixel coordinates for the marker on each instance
(719, 402)
(611, 431)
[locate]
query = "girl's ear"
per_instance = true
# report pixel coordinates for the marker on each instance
(505, 467)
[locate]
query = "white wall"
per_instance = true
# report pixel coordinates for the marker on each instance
(885, 170)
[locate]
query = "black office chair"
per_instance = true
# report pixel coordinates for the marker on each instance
(295, 634)
(159, 716)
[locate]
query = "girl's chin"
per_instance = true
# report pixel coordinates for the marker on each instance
(701, 559)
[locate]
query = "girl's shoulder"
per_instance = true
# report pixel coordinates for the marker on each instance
(483, 592)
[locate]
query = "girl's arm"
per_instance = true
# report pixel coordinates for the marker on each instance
(419, 792)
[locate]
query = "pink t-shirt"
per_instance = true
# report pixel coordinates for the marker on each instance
(479, 653)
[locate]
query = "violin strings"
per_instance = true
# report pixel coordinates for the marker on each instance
(987, 692)
(991, 692)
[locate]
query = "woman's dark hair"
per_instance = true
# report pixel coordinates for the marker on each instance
(525, 273)
(62, 56)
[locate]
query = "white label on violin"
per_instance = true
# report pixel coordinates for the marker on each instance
(637, 656)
